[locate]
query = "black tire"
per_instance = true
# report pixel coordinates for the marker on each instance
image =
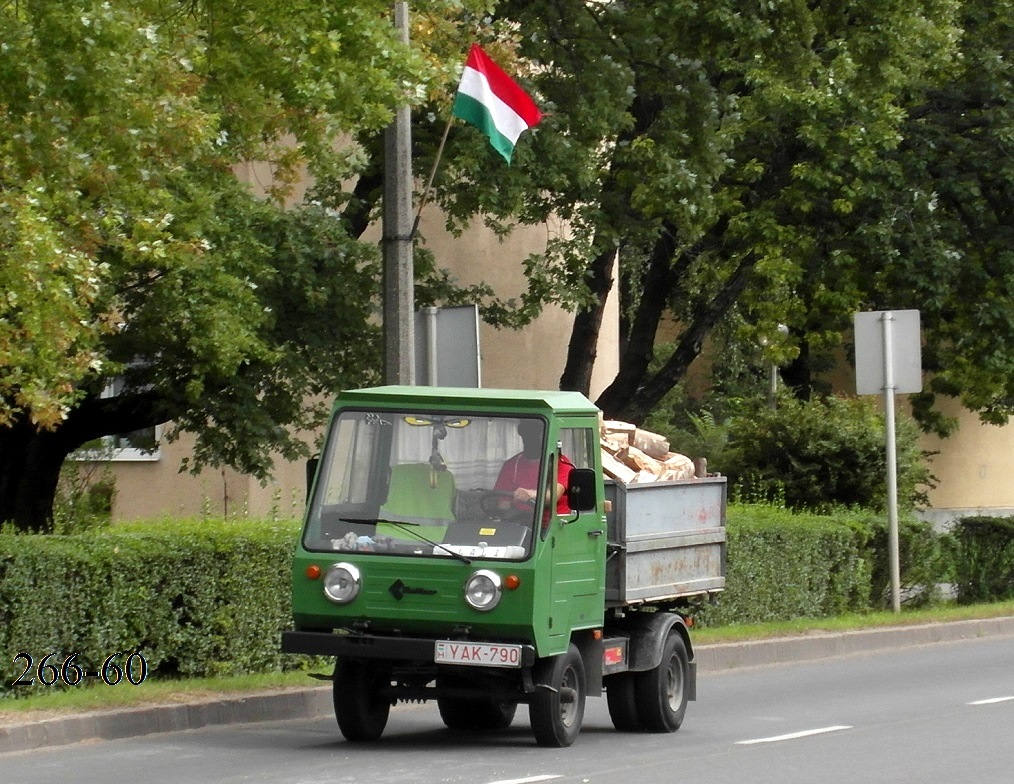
(557, 713)
(360, 710)
(662, 692)
(476, 716)
(621, 697)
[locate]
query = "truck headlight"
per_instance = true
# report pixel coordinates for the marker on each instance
(342, 582)
(483, 590)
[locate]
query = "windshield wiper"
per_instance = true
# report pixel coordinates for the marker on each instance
(407, 528)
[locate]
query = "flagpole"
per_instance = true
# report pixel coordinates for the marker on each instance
(433, 174)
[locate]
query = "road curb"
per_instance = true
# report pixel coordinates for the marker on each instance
(824, 645)
(315, 702)
(132, 722)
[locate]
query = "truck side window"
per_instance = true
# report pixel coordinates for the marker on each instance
(578, 444)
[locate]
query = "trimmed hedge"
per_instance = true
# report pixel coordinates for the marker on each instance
(782, 565)
(193, 598)
(985, 559)
(211, 597)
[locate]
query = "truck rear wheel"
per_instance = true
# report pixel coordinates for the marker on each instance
(621, 697)
(358, 706)
(662, 691)
(557, 713)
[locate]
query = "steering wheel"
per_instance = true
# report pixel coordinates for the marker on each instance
(490, 502)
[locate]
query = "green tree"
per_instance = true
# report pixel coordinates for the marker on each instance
(820, 454)
(740, 137)
(781, 162)
(930, 231)
(943, 235)
(129, 248)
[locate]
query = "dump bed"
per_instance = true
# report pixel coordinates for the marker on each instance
(666, 540)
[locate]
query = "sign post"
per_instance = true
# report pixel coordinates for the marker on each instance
(888, 361)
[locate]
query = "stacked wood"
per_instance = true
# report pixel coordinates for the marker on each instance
(630, 454)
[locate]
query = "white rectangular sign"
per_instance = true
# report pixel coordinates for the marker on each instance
(447, 347)
(902, 329)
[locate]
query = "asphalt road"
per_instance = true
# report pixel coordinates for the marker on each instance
(929, 713)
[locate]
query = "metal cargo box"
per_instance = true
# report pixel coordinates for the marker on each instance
(666, 540)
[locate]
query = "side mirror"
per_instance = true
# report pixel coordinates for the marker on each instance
(581, 489)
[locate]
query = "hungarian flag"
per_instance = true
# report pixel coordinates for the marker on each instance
(493, 102)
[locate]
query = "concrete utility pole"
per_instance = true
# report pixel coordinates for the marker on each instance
(399, 286)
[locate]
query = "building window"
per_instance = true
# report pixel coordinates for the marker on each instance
(137, 445)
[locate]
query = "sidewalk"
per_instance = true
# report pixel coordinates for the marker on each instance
(315, 702)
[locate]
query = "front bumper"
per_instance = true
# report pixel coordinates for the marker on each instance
(373, 646)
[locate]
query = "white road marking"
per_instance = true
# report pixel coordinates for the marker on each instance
(794, 735)
(529, 780)
(992, 701)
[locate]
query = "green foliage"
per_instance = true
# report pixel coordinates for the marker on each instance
(129, 247)
(210, 597)
(786, 163)
(120, 124)
(84, 497)
(194, 598)
(823, 453)
(925, 557)
(985, 559)
(784, 159)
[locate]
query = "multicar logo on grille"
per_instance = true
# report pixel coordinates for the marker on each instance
(398, 590)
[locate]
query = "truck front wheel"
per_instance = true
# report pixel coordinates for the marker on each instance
(557, 712)
(662, 691)
(360, 709)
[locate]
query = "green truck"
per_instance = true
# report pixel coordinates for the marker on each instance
(429, 575)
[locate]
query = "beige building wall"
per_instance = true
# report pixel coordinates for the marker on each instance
(154, 489)
(974, 468)
(531, 358)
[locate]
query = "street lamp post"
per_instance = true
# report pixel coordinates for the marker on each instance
(783, 332)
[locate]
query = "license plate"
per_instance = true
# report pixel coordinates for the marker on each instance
(479, 654)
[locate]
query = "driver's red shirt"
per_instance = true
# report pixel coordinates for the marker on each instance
(519, 471)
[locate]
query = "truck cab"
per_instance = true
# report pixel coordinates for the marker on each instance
(454, 548)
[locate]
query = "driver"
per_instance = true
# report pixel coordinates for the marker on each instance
(520, 474)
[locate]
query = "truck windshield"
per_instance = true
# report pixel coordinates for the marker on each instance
(433, 485)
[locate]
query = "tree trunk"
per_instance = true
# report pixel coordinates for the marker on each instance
(29, 472)
(365, 196)
(640, 402)
(798, 375)
(640, 343)
(582, 350)
(30, 459)
(40, 476)
(14, 442)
